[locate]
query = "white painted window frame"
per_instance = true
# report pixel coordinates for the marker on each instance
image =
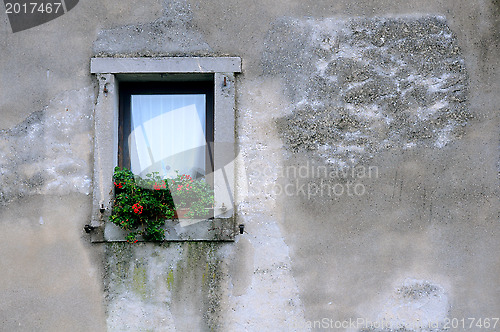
(106, 126)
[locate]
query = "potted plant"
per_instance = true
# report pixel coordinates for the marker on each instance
(142, 205)
(193, 198)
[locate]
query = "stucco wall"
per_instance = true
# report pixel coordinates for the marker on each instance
(394, 103)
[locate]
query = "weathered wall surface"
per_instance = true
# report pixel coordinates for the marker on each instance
(369, 137)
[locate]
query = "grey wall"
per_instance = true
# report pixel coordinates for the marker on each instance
(400, 96)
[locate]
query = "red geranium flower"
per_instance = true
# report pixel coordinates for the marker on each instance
(157, 186)
(118, 185)
(137, 208)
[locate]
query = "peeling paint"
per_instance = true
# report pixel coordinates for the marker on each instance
(172, 34)
(50, 151)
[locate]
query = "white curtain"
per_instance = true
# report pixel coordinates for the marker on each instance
(168, 134)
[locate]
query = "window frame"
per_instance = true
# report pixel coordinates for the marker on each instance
(110, 73)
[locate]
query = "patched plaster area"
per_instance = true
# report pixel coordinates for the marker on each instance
(363, 85)
(171, 34)
(49, 152)
(262, 293)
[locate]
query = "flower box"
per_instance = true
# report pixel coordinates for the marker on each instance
(181, 213)
(143, 206)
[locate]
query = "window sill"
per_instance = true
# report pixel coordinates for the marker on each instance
(217, 229)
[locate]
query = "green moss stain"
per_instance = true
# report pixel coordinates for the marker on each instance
(204, 276)
(195, 282)
(119, 257)
(185, 277)
(139, 281)
(116, 271)
(170, 279)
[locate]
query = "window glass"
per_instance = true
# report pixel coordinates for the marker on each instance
(168, 134)
(166, 127)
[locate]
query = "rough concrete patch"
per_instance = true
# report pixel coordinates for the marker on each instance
(171, 34)
(49, 152)
(418, 305)
(366, 84)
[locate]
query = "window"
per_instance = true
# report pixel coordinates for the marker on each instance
(163, 115)
(166, 127)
